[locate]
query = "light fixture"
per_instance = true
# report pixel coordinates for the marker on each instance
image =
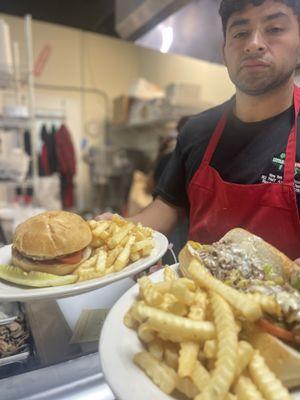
(166, 38)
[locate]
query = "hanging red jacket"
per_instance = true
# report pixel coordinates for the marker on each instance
(66, 164)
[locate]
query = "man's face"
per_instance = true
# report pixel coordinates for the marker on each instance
(261, 48)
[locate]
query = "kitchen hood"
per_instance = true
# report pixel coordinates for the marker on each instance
(136, 17)
(192, 28)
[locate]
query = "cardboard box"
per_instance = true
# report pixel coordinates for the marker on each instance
(121, 108)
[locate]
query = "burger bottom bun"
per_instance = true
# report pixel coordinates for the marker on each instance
(56, 268)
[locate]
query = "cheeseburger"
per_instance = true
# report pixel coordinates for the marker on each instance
(55, 242)
(249, 264)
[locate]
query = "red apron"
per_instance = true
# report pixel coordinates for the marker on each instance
(268, 210)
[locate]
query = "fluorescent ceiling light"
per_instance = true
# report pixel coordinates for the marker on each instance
(166, 38)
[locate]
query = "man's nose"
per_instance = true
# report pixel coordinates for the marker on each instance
(255, 43)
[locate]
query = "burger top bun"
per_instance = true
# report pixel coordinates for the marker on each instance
(52, 234)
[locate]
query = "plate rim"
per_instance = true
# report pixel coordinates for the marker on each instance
(31, 294)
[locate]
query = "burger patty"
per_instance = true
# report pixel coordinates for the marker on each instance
(41, 260)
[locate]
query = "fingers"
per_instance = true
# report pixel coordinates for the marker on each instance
(104, 217)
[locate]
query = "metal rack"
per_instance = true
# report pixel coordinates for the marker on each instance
(14, 84)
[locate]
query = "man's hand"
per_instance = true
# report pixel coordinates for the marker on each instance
(104, 217)
(297, 261)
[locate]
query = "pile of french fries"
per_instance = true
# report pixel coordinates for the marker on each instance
(193, 333)
(116, 243)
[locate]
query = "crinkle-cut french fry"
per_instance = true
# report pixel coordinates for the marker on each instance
(165, 322)
(123, 257)
(188, 355)
(268, 304)
(129, 321)
(139, 235)
(135, 312)
(224, 372)
(245, 354)
(270, 387)
(101, 227)
(210, 349)
(162, 287)
(173, 306)
(135, 256)
(199, 307)
(118, 220)
(182, 293)
(146, 251)
(97, 242)
(88, 263)
(171, 357)
(104, 235)
(113, 227)
(90, 275)
(239, 301)
(148, 292)
(84, 271)
(246, 390)
(169, 274)
(101, 261)
(124, 241)
(156, 348)
(92, 223)
(146, 333)
(147, 232)
(112, 256)
(200, 376)
(162, 375)
(119, 236)
(137, 246)
(187, 387)
(189, 283)
(230, 396)
(238, 325)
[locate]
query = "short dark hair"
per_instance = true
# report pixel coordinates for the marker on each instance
(228, 7)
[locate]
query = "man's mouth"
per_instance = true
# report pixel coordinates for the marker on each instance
(253, 64)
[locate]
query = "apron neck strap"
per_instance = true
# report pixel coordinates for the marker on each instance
(291, 149)
(215, 138)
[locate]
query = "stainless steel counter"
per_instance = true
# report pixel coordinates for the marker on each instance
(60, 369)
(78, 379)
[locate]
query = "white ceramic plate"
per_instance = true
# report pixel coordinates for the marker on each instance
(117, 347)
(11, 292)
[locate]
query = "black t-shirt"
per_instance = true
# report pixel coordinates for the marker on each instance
(247, 153)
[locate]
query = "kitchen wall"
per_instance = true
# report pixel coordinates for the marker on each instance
(84, 59)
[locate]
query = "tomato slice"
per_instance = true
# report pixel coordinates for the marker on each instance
(276, 330)
(72, 258)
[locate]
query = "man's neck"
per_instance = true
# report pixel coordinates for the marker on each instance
(257, 108)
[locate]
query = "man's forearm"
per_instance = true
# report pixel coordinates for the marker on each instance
(160, 216)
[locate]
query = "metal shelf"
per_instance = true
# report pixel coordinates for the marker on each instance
(144, 125)
(14, 122)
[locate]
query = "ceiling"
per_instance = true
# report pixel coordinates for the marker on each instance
(91, 15)
(195, 24)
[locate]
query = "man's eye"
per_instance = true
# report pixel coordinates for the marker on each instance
(240, 35)
(275, 30)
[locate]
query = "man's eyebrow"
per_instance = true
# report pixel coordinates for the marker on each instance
(244, 21)
(275, 16)
(239, 22)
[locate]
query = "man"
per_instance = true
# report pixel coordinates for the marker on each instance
(238, 164)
